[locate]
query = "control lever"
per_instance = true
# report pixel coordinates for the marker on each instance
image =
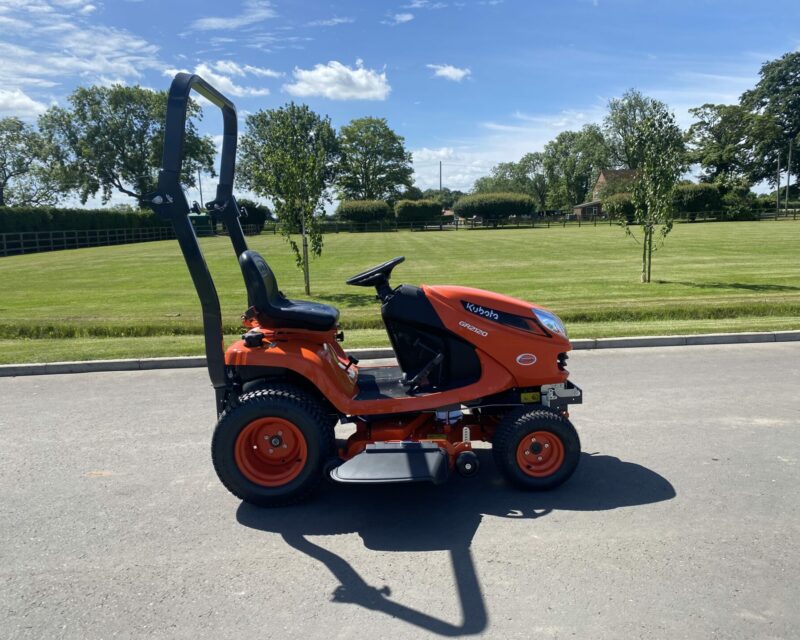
(351, 361)
(423, 374)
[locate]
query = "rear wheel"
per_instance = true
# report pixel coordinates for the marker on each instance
(270, 449)
(536, 448)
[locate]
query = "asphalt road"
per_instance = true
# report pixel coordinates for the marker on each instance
(682, 520)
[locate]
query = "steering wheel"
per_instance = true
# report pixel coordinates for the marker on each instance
(376, 276)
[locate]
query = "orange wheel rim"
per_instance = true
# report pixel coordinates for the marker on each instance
(271, 452)
(540, 454)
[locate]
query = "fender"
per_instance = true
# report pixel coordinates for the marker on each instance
(317, 357)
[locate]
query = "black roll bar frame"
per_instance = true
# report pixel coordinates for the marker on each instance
(169, 202)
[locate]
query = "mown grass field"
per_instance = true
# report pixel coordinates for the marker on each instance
(137, 300)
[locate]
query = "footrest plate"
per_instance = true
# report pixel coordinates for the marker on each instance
(395, 462)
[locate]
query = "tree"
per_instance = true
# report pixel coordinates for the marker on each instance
(254, 213)
(411, 193)
(718, 141)
(776, 96)
(289, 155)
(532, 167)
(111, 139)
(374, 163)
(526, 176)
(446, 197)
(619, 126)
(25, 177)
(572, 162)
(659, 143)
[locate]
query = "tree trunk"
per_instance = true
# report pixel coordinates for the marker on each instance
(2, 196)
(788, 176)
(305, 253)
(645, 233)
(649, 254)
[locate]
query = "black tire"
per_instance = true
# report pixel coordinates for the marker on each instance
(517, 425)
(282, 401)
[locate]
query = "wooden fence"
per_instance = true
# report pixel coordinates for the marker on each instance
(20, 242)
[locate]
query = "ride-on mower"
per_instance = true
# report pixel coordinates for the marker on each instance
(471, 366)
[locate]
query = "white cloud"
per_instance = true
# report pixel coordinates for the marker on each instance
(14, 102)
(263, 72)
(330, 22)
(234, 69)
(87, 9)
(399, 18)
(222, 81)
(424, 4)
(254, 11)
(461, 166)
(67, 47)
(339, 82)
(449, 72)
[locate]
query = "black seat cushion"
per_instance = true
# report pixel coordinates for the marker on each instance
(274, 309)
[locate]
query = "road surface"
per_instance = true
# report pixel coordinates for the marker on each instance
(682, 520)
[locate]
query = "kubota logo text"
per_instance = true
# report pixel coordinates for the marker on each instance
(472, 328)
(480, 311)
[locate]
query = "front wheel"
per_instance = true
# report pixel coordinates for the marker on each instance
(270, 449)
(536, 448)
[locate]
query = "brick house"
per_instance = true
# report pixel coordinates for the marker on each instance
(618, 179)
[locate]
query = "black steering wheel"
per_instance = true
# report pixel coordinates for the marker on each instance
(376, 276)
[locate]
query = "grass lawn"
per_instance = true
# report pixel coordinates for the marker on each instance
(137, 300)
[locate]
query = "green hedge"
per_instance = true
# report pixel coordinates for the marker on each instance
(492, 207)
(363, 210)
(418, 211)
(13, 219)
(697, 198)
(257, 214)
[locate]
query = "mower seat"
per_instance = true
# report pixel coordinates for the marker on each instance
(273, 308)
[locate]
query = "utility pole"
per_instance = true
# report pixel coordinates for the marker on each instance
(778, 187)
(440, 177)
(200, 185)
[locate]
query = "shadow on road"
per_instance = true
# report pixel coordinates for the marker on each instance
(444, 518)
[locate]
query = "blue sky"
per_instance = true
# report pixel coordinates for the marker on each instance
(471, 82)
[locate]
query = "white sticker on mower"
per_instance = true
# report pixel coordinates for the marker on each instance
(526, 359)
(473, 328)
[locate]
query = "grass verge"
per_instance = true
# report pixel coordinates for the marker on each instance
(138, 301)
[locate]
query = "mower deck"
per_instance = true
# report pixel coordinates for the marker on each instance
(395, 462)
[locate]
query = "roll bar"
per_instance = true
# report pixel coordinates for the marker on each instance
(169, 202)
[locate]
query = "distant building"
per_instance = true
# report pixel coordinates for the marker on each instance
(587, 210)
(617, 179)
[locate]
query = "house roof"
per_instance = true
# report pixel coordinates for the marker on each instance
(586, 204)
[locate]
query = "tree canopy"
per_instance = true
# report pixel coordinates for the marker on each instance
(26, 179)
(290, 155)
(572, 162)
(718, 140)
(525, 176)
(374, 163)
(620, 125)
(776, 102)
(111, 139)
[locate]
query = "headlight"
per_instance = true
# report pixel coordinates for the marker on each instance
(550, 321)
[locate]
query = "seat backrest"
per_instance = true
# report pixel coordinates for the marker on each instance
(262, 288)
